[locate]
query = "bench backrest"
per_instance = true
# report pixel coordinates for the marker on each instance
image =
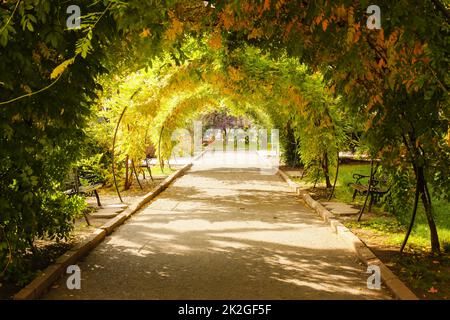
(81, 176)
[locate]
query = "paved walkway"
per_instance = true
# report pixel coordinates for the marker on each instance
(223, 231)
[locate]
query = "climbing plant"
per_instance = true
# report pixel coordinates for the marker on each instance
(311, 64)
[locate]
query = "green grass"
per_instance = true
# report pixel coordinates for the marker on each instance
(343, 192)
(156, 170)
(420, 235)
(388, 224)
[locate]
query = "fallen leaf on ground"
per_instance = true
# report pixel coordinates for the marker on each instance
(433, 290)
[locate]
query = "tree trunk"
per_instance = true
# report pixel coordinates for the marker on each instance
(326, 170)
(135, 174)
(413, 217)
(335, 178)
(127, 175)
(417, 154)
(426, 200)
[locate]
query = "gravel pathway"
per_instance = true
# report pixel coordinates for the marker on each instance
(223, 231)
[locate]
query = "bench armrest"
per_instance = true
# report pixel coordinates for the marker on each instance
(358, 177)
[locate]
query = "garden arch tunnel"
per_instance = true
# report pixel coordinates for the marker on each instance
(392, 83)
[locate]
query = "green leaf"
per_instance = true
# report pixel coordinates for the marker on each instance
(30, 26)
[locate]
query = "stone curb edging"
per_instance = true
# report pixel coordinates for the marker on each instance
(398, 288)
(53, 272)
(112, 224)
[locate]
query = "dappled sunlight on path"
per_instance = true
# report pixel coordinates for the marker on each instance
(223, 233)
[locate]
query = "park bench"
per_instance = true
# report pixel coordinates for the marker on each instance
(378, 188)
(146, 165)
(84, 181)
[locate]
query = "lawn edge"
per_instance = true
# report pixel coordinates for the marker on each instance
(397, 287)
(36, 288)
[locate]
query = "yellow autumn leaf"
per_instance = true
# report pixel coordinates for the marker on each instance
(26, 88)
(448, 137)
(175, 29)
(235, 74)
(350, 17)
(350, 35)
(255, 34)
(279, 4)
(340, 11)
(61, 68)
(145, 33)
(196, 26)
(228, 91)
(17, 117)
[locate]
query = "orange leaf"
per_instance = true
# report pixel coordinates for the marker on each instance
(417, 49)
(216, 41)
(145, 33)
(433, 290)
(227, 18)
(378, 99)
(318, 19)
(381, 63)
(324, 25)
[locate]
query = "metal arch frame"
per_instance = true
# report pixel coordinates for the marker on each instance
(159, 151)
(146, 161)
(159, 148)
(114, 145)
(335, 178)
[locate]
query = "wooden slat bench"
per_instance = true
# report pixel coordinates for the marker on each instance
(84, 181)
(145, 165)
(377, 190)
